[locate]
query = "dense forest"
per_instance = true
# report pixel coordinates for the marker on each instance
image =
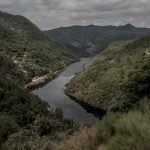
(93, 39)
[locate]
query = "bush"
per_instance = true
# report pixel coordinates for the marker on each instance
(133, 130)
(7, 126)
(24, 140)
(106, 128)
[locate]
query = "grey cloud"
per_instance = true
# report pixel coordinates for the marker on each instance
(49, 14)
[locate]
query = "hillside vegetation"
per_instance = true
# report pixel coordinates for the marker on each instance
(117, 81)
(93, 39)
(33, 52)
(117, 78)
(23, 114)
(26, 52)
(116, 131)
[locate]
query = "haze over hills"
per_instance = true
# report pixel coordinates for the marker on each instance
(94, 39)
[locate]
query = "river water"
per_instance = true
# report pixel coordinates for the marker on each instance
(53, 93)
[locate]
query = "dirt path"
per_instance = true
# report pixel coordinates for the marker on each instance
(38, 80)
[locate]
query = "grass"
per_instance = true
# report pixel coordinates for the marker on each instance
(82, 140)
(128, 131)
(116, 131)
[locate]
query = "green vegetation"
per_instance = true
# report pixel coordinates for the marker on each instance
(34, 53)
(127, 131)
(116, 131)
(117, 78)
(24, 26)
(93, 39)
(26, 52)
(7, 126)
(118, 81)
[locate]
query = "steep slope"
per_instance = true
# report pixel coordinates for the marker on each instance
(29, 30)
(117, 78)
(24, 26)
(94, 39)
(22, 57)
(77, 50)
(32, 51)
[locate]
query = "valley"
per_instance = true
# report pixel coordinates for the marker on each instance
(92, 39)
(54, 95)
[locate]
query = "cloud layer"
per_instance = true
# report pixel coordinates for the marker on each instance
(48, 14)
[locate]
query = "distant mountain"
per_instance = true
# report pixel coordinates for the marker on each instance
(77, 50)
(94, 39)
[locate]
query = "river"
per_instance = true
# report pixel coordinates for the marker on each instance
(53, 93)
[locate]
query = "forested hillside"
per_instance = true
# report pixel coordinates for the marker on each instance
(117, 78)
(26, 52)
(25, 27)
(34, 53)
(116, 81)
(94, 39)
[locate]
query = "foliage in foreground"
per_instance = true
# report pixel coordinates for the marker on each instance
(116, 131)
(127, 131)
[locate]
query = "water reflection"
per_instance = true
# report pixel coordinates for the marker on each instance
(53, 93)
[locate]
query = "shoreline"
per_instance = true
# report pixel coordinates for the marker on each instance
(97, 112)
(40, 81)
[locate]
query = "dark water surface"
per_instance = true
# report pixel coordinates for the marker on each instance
(53, 93)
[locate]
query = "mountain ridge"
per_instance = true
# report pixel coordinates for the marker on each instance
(93, 38)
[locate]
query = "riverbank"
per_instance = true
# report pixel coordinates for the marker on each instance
(89, 108)
(40, 81)
(53, 94)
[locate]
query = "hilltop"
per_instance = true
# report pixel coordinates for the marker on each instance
(93, 39)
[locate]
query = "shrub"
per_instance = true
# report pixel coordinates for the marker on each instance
(133, 131)
(7, 126)
(106, 128)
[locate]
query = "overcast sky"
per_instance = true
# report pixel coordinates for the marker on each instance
(48, 14)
